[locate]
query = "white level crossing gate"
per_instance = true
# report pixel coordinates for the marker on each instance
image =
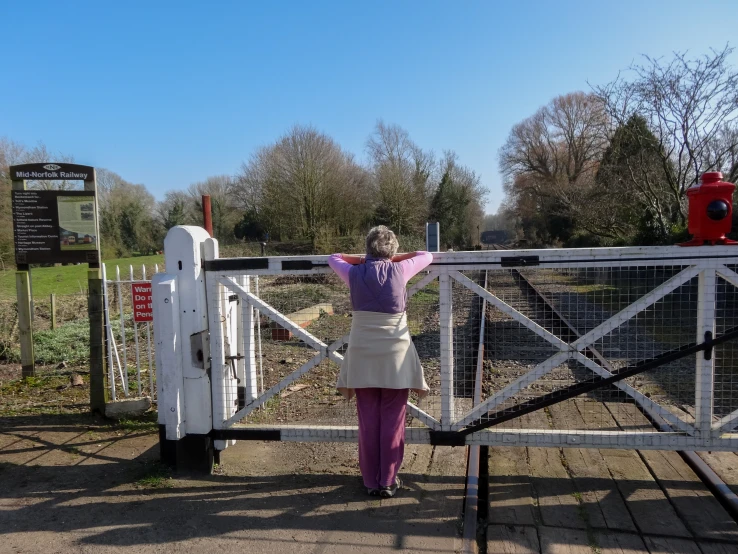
(250, 348)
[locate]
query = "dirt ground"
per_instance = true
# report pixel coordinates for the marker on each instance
(75, 483)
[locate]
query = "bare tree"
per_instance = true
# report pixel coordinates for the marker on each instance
(402, 175)
(177, 208)
(559, 145)
(691, 106)
(554, 154)
(304, 185)
(127, 210)
(224, 214)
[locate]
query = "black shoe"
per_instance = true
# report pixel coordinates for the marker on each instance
(389, 492)
(372, 492)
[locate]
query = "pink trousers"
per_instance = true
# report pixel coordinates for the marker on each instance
(381, 434)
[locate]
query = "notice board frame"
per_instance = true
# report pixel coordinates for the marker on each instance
(57, 171)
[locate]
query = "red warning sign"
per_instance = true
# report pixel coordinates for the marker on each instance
(143, 309)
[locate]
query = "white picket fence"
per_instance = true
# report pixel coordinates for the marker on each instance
(129, 342)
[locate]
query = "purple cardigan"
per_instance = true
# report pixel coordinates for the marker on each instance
(378, 285)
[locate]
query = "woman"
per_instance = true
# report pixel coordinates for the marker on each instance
(381, 365)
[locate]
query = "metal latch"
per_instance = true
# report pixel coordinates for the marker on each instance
(200, 349)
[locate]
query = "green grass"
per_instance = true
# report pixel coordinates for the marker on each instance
(147, 422)
(69, 343)
(70, 279)
(155, 476)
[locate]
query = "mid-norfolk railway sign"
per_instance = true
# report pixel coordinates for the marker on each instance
(51, 172)
(54, 226)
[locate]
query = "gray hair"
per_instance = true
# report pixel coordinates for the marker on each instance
(381, 242)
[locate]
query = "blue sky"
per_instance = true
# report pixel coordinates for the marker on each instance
(168, 93)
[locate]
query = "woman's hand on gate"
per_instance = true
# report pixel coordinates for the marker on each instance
(353, 260)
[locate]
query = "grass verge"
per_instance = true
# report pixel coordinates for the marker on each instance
(71, 279)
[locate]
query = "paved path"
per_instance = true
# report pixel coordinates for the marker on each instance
(70, 488)
(77, 486)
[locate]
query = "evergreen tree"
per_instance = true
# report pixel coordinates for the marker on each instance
(632, 179)
(442, 206)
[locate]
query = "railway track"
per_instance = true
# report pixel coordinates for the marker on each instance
(534, 300)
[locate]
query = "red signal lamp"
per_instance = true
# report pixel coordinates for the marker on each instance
(710, 211)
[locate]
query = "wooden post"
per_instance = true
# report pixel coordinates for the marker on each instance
(96, 312)
(53, 311)
(25, 309)
(25, 324)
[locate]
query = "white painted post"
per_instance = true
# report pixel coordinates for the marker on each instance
(240, 363)
(183, 257)
(169, 377)
(217, 348)
(447, 351)
(148, 341)
(224, 385)
(258, 335)
(109, 336)
(251, 390)
(135, 337)
(122, 331)
(705, 369)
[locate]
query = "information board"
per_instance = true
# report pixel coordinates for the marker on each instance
(54, 226)
(143, 309)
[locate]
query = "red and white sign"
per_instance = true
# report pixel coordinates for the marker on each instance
(143, 309)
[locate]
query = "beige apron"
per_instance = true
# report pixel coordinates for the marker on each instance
(380, 354)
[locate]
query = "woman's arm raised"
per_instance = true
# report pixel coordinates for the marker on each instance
(413, 263)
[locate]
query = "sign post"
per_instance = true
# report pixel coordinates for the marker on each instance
(432, 237)
(59, 226)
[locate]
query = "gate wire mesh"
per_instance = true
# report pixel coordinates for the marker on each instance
(570, 303)
(726, 354)
(565, 302)
(321, 305)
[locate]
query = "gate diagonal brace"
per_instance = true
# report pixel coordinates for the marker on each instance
(496, 418)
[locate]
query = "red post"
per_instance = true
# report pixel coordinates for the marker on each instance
(207, 216)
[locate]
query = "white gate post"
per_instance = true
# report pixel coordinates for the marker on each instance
(705, 369)
(169, 380)
(224, 382)
(250, 386)
(447, 351)
(185, 311)
(183, 258)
